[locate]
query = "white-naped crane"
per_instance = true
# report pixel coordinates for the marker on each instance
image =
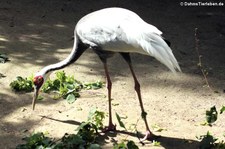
(109, 31)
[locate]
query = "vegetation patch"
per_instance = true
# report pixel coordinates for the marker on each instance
(85, 137)
(64, 86)
(22, 84)
(209, 141)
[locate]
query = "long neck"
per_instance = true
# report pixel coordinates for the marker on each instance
(78, 49)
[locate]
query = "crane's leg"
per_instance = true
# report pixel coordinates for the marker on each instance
(111, 126)
(149, 134)
(103, 55)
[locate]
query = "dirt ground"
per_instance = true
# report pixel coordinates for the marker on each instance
(38, 33)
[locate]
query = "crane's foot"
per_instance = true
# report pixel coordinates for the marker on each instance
(149, 136)
(111, 127)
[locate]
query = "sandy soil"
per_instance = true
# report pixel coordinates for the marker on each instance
(37, 33)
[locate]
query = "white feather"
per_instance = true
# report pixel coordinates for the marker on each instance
(121, 30)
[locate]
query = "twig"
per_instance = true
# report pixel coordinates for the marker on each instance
(200, 59)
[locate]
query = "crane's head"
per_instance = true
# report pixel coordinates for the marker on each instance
(38, 81)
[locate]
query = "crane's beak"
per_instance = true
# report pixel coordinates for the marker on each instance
(36, 91)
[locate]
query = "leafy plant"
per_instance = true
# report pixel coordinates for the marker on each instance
(85, 138)
(36, 140)
(68, 87)
(50, 85)
(70, 142)
(3, 58)
(211, 115)
(75, 141)
(22, 84)
(96, 117)
(88, 131)
(63, 85)
(207, 141)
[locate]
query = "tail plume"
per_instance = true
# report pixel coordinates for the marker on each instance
(157, 47)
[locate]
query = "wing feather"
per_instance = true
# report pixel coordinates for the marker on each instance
(147, 39)
(120, 30)
(155, 46)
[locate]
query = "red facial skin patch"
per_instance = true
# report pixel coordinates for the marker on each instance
(38, 81)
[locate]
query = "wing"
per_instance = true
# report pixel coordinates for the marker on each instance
(120, 30)
(147, 39)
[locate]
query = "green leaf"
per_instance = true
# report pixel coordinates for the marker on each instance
(91, 113)
(61, 76)
(158, 128)
(156, 143)
(131, 145)
(70, 86)
(70, 79)
(71, 98)
(63, 90)
(204, 123)
(222, 109)
(93, 85)
(96, 117)
(55, 84)
(120, 122)
(211, 115)
(121, 145)
(94, 146)
(87, 131)
(19, 78)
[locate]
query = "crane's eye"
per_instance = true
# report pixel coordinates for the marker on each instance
(38, 81)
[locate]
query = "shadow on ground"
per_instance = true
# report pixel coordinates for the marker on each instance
(165, 141)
